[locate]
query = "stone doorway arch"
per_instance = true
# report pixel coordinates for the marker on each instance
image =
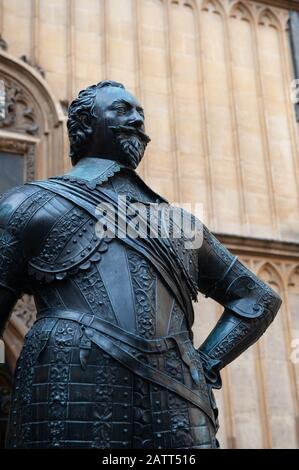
(32, 127)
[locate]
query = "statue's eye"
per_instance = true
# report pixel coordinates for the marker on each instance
(121, 109)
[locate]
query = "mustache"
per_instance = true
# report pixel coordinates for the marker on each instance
(129, 131)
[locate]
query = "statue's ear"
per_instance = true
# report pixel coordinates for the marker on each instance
(85, 122)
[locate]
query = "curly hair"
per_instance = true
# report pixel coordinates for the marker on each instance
(80, 113)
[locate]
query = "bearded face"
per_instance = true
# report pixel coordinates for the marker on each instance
(131, 143)
(116, 127)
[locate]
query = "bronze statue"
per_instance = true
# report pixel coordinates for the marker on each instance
(110, 362)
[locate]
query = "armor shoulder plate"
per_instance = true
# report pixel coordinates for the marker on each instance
(70, 243)
(16, 205)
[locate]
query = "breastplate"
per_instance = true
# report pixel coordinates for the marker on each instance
(76, 270)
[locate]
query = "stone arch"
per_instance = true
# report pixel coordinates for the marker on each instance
(189, 4)
(213, 6)
(268, 18)
(242, 11)
(269, 273)
(32, 126)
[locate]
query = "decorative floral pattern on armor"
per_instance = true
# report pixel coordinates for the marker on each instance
(21, 432)
(179, 422)
(173, 365)
(27, 209)
(64, 336)
(61, 233)
(92, 287)
(105, 380)
(144, 285)
(187, 259)
(232, 340)
(176, 319)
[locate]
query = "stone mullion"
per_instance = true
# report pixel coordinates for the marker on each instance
(265, 136)
(139, 67)
(235, 129)
(262, 385)
(1, 17)
(290, 111)
(205, 128)
(287, 319)
(105, 32)
(71, 49)
(35, 31)
(172, 102)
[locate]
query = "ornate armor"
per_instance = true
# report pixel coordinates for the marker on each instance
(109, 362)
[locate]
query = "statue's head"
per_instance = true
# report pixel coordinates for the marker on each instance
(107, 121)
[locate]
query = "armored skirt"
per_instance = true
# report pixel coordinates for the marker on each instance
(62, 401)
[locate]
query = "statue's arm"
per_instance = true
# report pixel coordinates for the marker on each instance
(250, 305)
(12, 269)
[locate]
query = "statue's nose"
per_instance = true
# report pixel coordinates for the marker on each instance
(136, 120)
